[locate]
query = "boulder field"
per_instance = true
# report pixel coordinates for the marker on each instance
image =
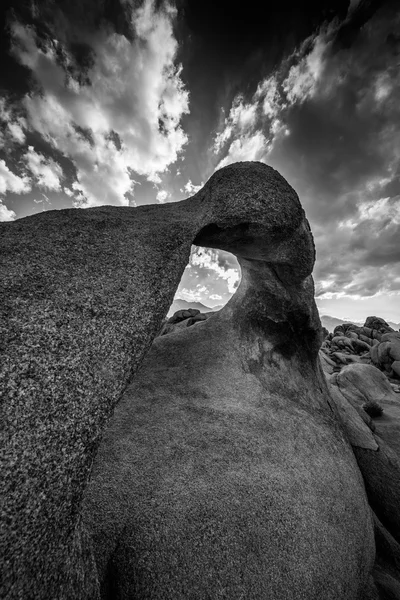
(217, 462)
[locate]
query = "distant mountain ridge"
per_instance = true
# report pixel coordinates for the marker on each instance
(331, 322)
(180, 304)
(327, 321)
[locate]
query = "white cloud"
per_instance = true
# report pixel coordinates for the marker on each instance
(17, 132)
(384, 209)
(162, 195)
(135, 93)
(242, 117)
(253, 127)
(251, 147)
(191, 295)
(9, 182)
(207, 258)
(192, 189)
(47, 171)
(268, 93)
(303, 77)
(6, 214)
(215, 297)
(14, 131)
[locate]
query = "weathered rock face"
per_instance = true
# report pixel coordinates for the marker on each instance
(224, 472)
(375, 343)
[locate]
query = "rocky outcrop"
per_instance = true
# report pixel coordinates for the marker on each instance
(183, 318)
(375, 343)
(225, 471)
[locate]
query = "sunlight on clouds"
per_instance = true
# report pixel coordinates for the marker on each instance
(15, 125)
(135, 95)
(329, 117)
(268, 93)
(6, 214)
(303, 77)
(162, 195)
(207, 258)
(193, 295)
(242, 117)
(11, 182)
(47, 172)
(248, 147)
(384, 209)
(16, 132)
(192, 189)
(252, 128)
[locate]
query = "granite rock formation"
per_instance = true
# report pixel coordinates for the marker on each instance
(223, 472)
(375, 343)
(226, 470)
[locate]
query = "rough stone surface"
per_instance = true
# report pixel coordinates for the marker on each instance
(227, 481)
(224, 472)
(364, 383)
(356, 428)
(375, 343)
(387, 565)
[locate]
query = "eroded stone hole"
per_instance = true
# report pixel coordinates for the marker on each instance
(209, 280)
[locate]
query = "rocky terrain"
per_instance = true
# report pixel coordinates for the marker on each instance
(227, 459)
(375, 343)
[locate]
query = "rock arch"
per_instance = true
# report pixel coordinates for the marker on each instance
(85, 293)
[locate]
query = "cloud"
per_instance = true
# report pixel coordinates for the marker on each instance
(269, 97)
(192, 189)
(10, 182)
(69, 192)
(302, 81)
(15, 125)
(6, 214)
(192, 295)
(123, 117)
(211, 275)
(246, 147)
(242, 117)
(16, 132)
(328, 119)
(216, 262)
(162, 196)
(46, 171)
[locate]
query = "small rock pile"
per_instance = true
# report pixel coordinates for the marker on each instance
(182, 319)
(375, 343)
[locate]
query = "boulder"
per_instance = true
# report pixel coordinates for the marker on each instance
(377, 324)
(181, 321)
(386, 354)
(361, 383)
(224, 470)
(181, 315)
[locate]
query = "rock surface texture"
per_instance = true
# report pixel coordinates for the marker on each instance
(375, 343)
(225, 471)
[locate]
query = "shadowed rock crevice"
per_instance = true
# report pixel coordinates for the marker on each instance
(223, 471)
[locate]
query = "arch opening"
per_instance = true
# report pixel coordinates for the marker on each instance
(208, 282)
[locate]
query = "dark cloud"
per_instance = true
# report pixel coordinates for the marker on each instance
(225, 48)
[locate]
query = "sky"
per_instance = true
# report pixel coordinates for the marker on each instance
(131, 102)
